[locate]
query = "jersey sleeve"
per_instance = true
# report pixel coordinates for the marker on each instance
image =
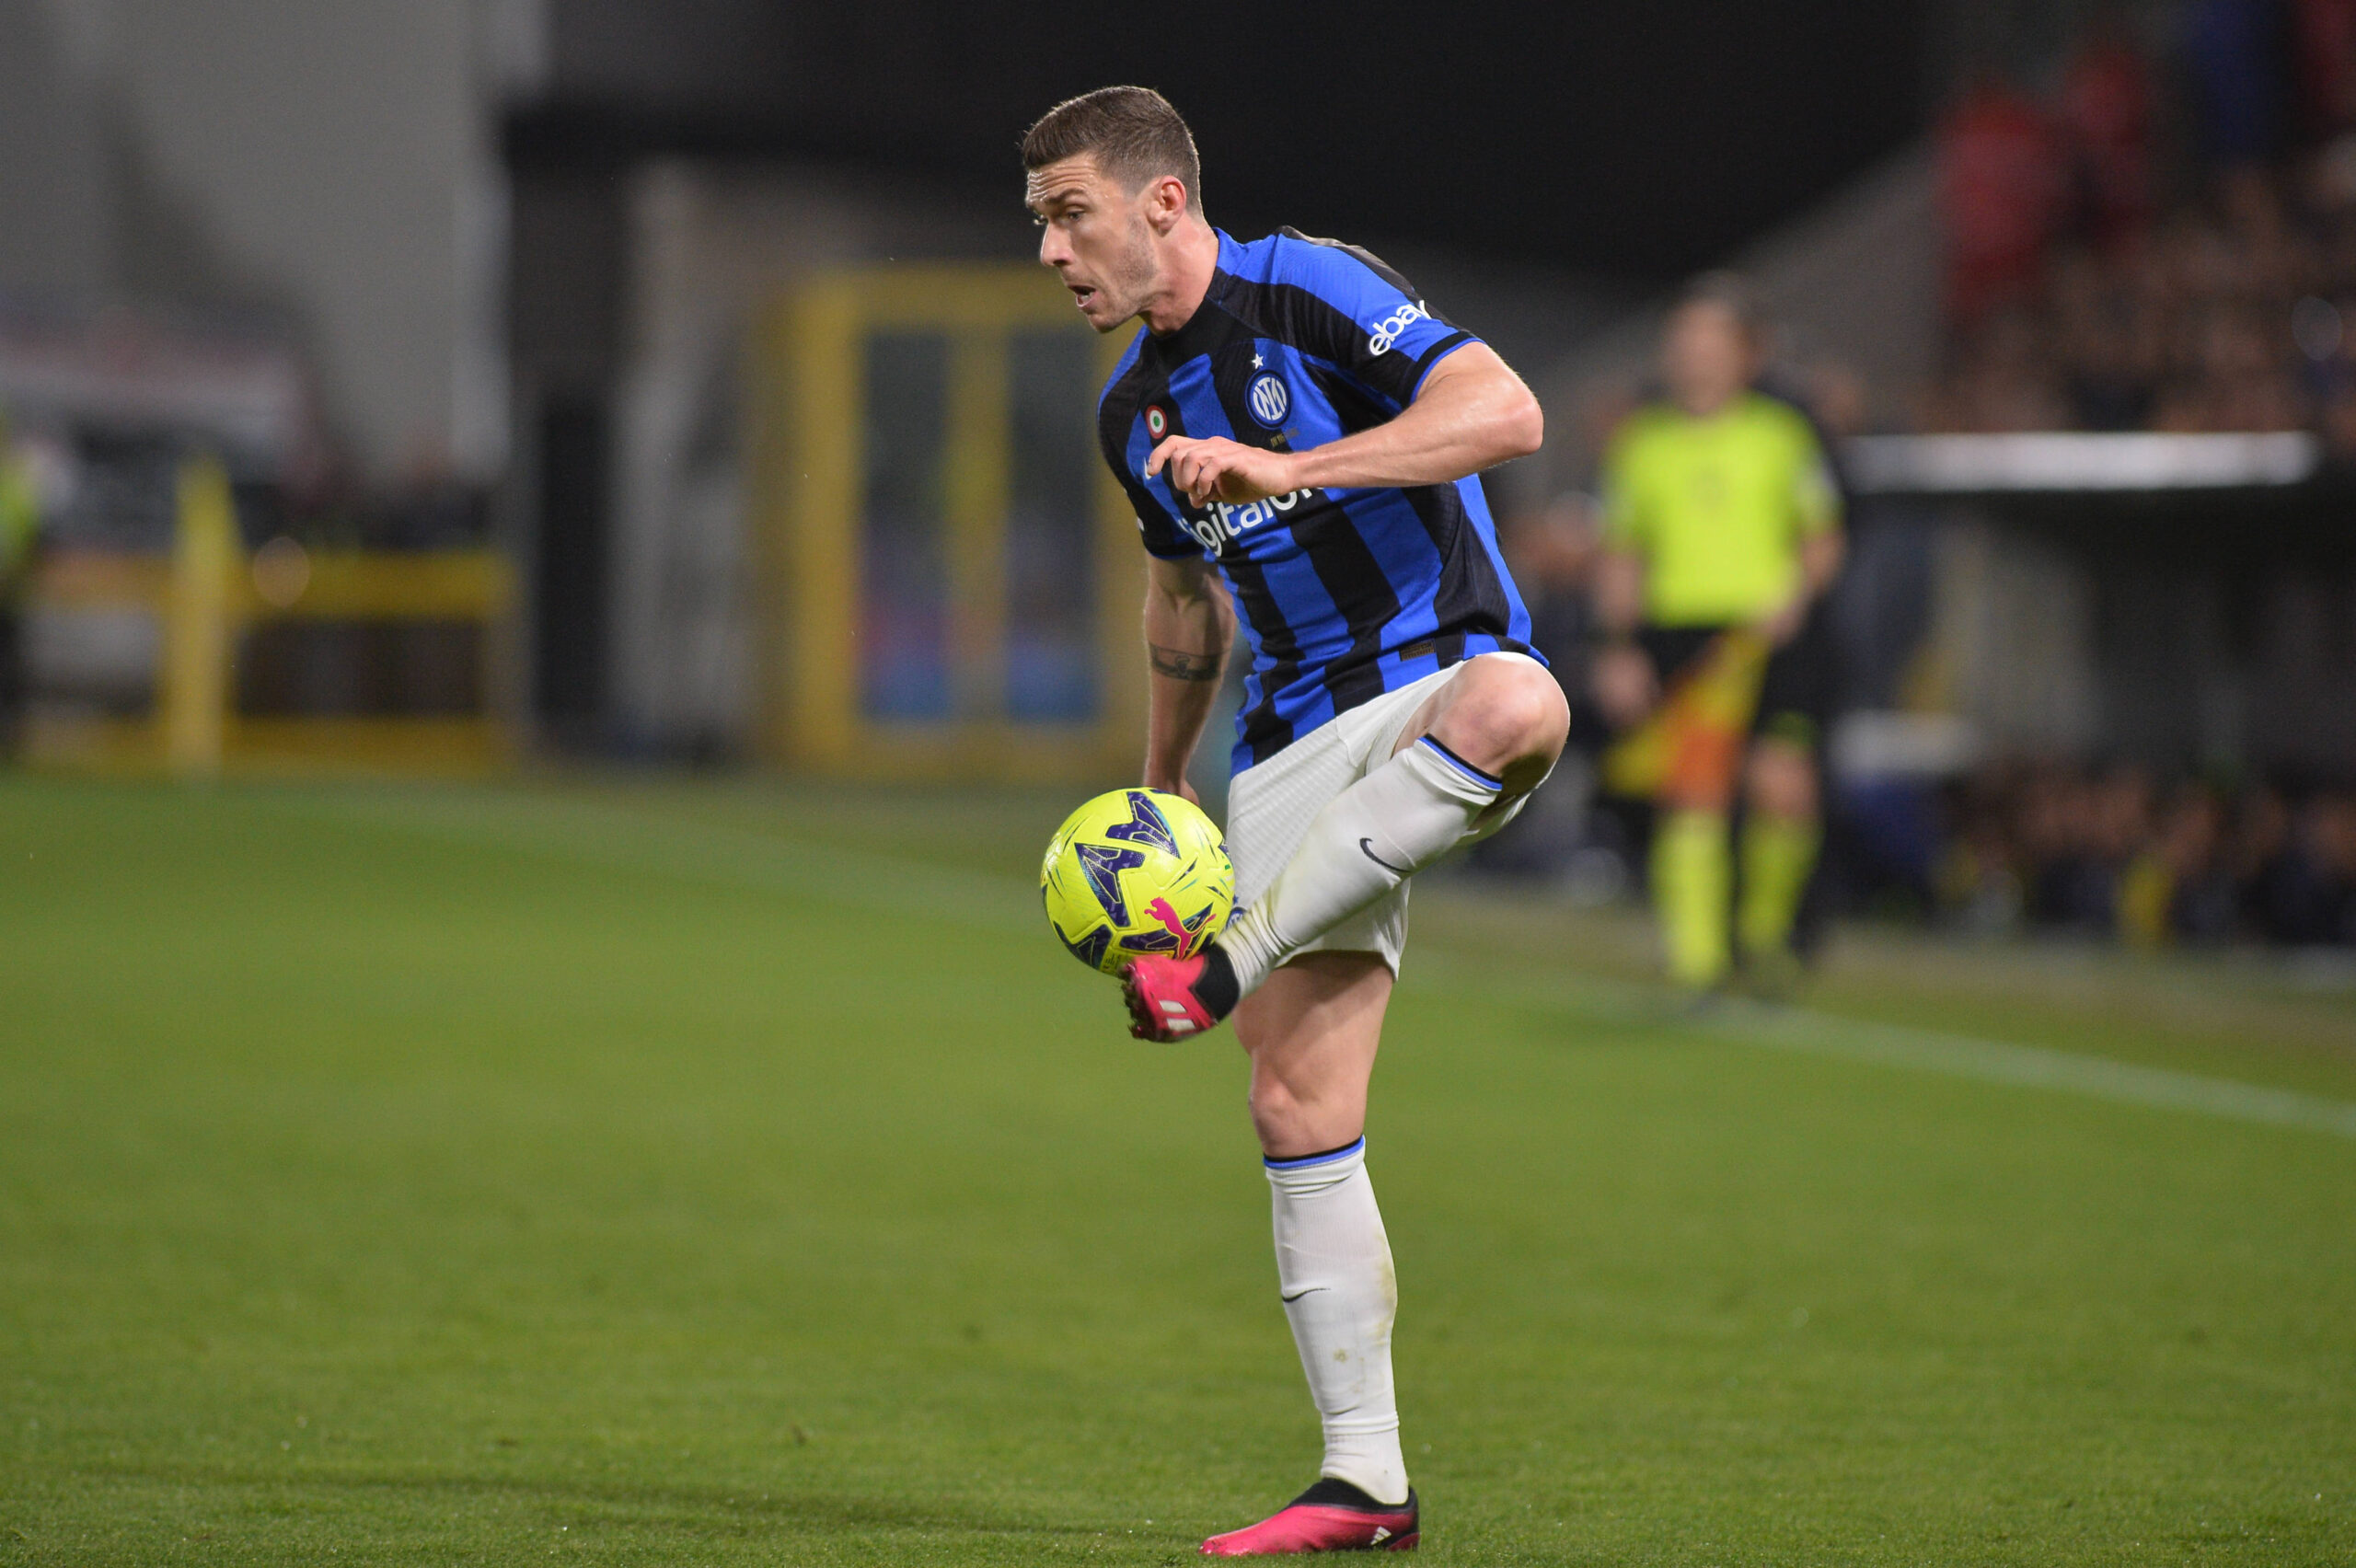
(1343, 305)
(1159, 532)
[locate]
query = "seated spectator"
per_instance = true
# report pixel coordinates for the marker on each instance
(2054, 846)
(2109, 355)
(2105, 108)
(1979, 877)
(2000, 192)
(2177, 889)
(2326, 840)
(2237, 381)
(2006, 382)
(2301, 892)
(2089, 309)
(2072, 885)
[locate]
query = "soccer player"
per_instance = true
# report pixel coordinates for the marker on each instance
(1299, 433)
(1721, 532)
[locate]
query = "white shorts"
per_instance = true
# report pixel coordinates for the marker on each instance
(1271, 805)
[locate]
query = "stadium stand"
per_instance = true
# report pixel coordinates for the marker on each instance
(2105, 422)
(2099, 278)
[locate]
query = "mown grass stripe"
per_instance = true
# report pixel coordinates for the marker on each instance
(614, 839)
(592, 834)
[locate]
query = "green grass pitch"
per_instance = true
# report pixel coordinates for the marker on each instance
(648, 1173)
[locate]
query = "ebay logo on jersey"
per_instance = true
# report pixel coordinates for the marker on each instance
(1387, 330)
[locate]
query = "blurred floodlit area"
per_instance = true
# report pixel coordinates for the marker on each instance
(440, 386)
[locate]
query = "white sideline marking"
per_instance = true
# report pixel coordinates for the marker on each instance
(736, 857)
(2032, 1066)
(1806, 1032)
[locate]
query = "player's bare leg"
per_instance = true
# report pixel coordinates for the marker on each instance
(1312, 1031)
(1483, 740)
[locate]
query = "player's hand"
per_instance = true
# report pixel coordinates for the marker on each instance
(1784, 624)
(1626, 685)
(1175, 786)
(1209, 469)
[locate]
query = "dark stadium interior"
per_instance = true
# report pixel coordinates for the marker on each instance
(1973, 220)
(1637, 142)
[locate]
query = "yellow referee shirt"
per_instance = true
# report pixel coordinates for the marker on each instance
(1716, 507)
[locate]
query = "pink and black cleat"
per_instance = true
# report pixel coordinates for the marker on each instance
(1177, 998)
(1331, 1516)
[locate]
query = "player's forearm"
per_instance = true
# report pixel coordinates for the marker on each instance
(1468, 416)
(1176, 713)
(1187, 632)
(1819, 562)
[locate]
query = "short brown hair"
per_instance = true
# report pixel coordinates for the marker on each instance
(1732, 292)
(1133, 132)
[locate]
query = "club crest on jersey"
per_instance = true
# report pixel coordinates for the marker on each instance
(1157, 423)
(1270, 402)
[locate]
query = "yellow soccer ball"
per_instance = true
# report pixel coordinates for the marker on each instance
(1136, 871)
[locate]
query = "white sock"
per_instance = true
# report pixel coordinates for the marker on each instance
(1334, 1270)
(1369, 839)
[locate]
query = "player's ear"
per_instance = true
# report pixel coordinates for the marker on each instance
(1165, 203)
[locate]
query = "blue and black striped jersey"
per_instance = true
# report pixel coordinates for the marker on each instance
(1344, 595)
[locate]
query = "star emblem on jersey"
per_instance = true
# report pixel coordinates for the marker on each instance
(1270, 402)
(1157, 423)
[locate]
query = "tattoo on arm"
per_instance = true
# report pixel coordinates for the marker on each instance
(1181, 666)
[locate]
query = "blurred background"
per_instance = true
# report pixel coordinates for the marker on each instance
(454, 385)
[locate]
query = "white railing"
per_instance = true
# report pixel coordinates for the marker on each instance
(2056, 461)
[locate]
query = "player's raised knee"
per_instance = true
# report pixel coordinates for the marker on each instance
(1509, 711)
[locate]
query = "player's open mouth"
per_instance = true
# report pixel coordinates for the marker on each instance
(1081, 294)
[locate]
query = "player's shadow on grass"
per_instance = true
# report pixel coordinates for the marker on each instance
(622, 1504)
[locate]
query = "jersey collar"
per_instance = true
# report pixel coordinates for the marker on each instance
(1205, 329)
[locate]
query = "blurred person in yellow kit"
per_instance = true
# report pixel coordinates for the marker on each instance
(20, 508)
(1722, 531)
